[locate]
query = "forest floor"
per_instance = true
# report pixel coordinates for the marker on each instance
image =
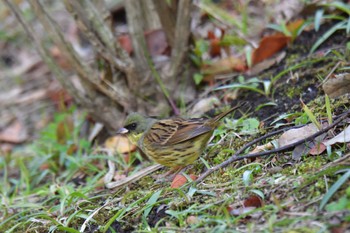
(53, 177)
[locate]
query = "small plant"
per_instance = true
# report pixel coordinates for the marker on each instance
(343, 24)
(253, 84)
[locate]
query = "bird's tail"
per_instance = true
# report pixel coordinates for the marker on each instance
(223, 114)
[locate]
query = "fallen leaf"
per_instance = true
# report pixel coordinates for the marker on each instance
(343, 228)
(253, 201)
(294, 135)
(268, 46)
(192, 220)
(155, 39)
(294, 26)
(125, 43)
(5, 148)
(215, 47)
(300, 150)
(317, 149)
(338, 85)
(224, 66)
(267, 63)
(180, 180)
(342, 137)
(120, 144)
(14, 133)
(204, 105)
(157, 42)
(59, 97)
(215, 43)
(44, 166)
(60, 58)
(267, 146)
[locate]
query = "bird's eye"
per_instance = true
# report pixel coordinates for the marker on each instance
(132, 126)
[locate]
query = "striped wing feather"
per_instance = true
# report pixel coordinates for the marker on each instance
(173, 131)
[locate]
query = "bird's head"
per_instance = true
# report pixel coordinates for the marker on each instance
(135, 125)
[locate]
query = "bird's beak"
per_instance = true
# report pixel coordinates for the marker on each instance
(122, 131)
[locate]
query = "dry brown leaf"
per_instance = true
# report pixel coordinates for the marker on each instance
(215, 43)
(60, 58)
(204, 105)
(317, 149)
(294, 26)
(5, 148)
(224, 66)
(253, 201)
(59, 97)
(267, 146)
(338, 85)
(180, 180)
(14, 133)
(294, 135)
(192, 220)
(120, 144)
(267, 63)
(156, 42)
(342, 137)
(155, 39)
(300, 150)
(268, 46)
(125, 43)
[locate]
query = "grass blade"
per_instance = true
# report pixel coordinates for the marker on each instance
(334, 188)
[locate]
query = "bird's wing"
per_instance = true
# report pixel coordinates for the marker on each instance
(173, 131)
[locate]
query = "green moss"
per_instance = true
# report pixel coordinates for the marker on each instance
(292, 92)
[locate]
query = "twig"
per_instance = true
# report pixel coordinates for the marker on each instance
(336, 162)
(182, 35)
(167, 19)
(134, 177)
(284, 148)
(162, 86)
(136, 28)
(330, 73)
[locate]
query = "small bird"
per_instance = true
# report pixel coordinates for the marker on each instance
(173, 142)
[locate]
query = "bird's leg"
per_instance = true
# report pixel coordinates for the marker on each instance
(169, 175)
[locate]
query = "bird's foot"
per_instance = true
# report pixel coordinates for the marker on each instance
(169, 175)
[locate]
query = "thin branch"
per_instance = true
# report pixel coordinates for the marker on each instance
(135, 177)
(136, 28)
(236, 156)
(167, 19)
(182, 34)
